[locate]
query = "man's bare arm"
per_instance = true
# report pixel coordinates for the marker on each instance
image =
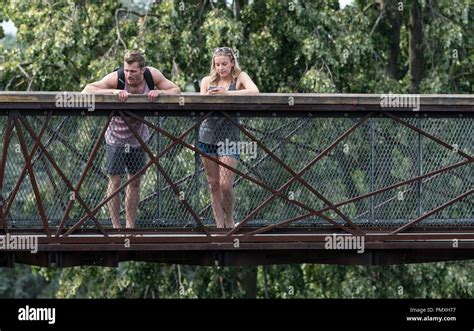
(107, 85)
(163, 84)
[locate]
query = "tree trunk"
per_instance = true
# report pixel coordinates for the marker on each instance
(395, 19)
(238, 6)
(248, 282)
(415, 47)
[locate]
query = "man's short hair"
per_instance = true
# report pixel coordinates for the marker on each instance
(134, 56)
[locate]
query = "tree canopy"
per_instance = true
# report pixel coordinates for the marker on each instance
(370, 46)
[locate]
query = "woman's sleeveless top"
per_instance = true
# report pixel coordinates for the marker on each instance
(217, 129)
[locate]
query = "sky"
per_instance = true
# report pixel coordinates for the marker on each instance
(9, 27)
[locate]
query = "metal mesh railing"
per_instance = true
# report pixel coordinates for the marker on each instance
(341, 160)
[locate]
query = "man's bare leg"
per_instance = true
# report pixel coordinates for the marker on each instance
(226, 179)
(132, 198)
(114, 203)
(212, 171)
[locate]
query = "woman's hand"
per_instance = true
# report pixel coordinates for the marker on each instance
(216, 91)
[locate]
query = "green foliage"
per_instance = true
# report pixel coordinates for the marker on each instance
(25, 282)
(151, 280)
(285, 46)
(433, 280)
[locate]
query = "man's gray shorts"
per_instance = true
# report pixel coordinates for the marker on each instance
(121, 160)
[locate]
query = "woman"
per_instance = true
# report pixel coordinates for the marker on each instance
(226, 78)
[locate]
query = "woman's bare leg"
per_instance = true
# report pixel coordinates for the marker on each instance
(212, 171)
(226, 179)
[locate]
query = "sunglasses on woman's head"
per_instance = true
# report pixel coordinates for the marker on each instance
(222, 50)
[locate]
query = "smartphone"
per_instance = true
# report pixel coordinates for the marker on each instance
(212, 87)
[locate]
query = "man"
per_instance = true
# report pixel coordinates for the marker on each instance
(123, 151)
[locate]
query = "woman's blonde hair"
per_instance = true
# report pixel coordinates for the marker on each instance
(225, 51)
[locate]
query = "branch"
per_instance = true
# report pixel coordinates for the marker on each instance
(198, 21)
(119, 38)
(10, 81)
(302, 76)
(135, 13)
(382, 14)
(448, 19)
(30, 80)
(330, 74)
